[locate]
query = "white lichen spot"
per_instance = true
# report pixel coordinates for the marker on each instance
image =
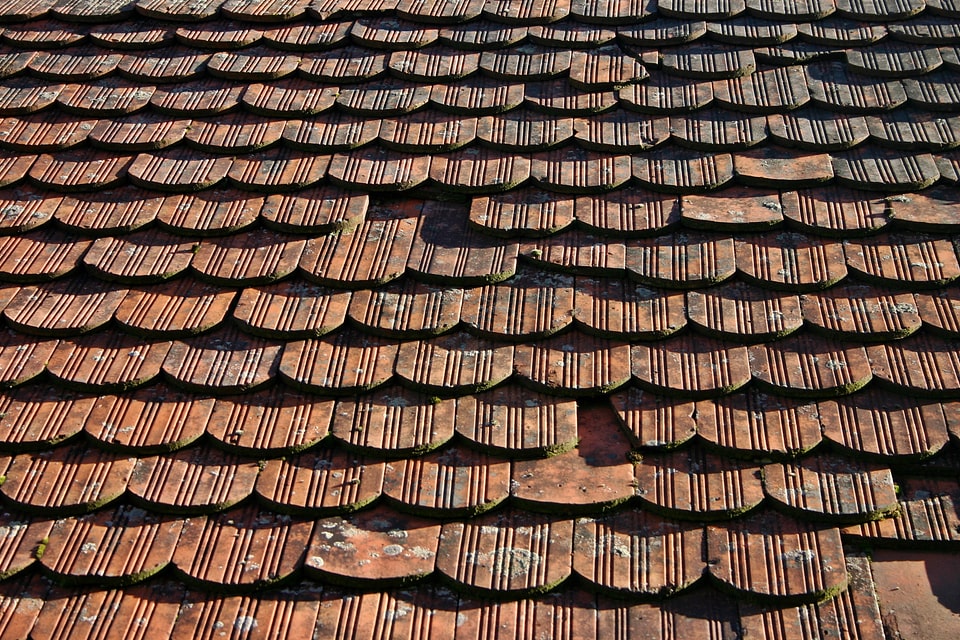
(245, 624)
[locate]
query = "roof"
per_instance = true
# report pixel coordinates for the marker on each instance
(462, 319)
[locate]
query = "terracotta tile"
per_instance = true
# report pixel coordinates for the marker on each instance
(563, 615)
(536, 12)
(741, 311)
(427, 132)
(14, 167)
(841, 31)
(621, 131)
(241, 549)
(574, 35)
(68, 480)
(82, 11)
(271, 422)
(690, 367)
(144, 133)
(807, 366)
(178, 10)
(394, 422)
(928, 211)
(579, 253)
(559, 97)
(923, 261)
(940, 310)
(40, 255)
(522, 211)
(25, 209)
(324, 9)
(628, 211)
(923, 364)
(13, 62)
(22, 95)
(170, 64)
(929, 29)
(791, 261)
(319, 210)
(408, 309)
(223, 36)
(23, 358)
(439, 11)
(336, 131)
(516, 422)
(378, 169)
(767, 426)
(252, 65)
(82, 170)
(833, 87)
(247, 258)
(73, 64)
(605, 68)
(178, 170)
(112, 547)
(392, 34)
(477, 170)
(67, 307)
(524, 130)
(862, 312)
(716, 129)
(709, 62)
(210, 212)
(197, 99)
(875, 169)
(621, 553)
(773, 557)
(20, 11)
(928, 515)
(740, 209)
(477, 96)
(234, 133)
(344, 363)
(480, 35)
(104, 362)
(110, 97)
(681, 171)
(300, 36)
(749, 31)
(615, 308)
(681, 260)
(835, 211)
(139, 258)
(455, 364)
(113, 211)
(433, 64)
(278, 170)
(654, 421)
(21, 540)
(225, 362)
(571, 169)
(933, 90)
(661, 32)
(885, 425)
(506, 553)
(320, 482)
(291, 310)
(43, 132)
(387, 98)
(948, 163)
(573, 364)
(613, 13)
(344, 65)
(920, 131)
(525, 62)
(412, 613)
(131, 35)
(694, 9)
(373, 253)
(818, 130)
(595, 476)
(178, 308)
(525, 306)
(774, 167)
(39, 416)
(266, 12)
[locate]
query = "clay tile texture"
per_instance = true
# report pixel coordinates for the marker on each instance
(400, 319)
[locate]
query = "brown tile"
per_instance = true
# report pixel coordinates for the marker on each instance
(455, 364)
(271, 422)
(344, 65)
(578, 252)
(516, 422)
(677, 170)
(288, 97)
(930, 29)
(735, 209)
(940, 310)
(225, 362)
(681, 260)
(74, 64)
(932, 90)
(482, 34)
(114, 211)
(386, 98)
(929, 211)
(178, 308)
(291, 310)
(764, 425)
(820, 130)
(697, 614)
(750, 31)
(690, 367)
(252, 65)
(299, 36)
(407, 310)
(654, 421)
(922, 364)
(841, 31)
(527, 305)
(772, 557)
(210, 212)
(775, 167)
(709, 62)
(82, 11)
(248, 258)
(927, 516)
(524, 130)
(67, 307)
(427, 131)
(191, 481)
(222, 36)
(889, 60)
(808, 366)
(791, 261)
(560, 98)
(241, 549)
(131, 35)
(440, 12)
(197, 99)
(595, 476)
(394, 422)
(834, 88)
(25, 208)
(21, 541)
(83, 170)
(862, 312)
(320, 482)
(178, 170)
(835, 211)
(103, 362)
(139, 133)
(922, 261)
(740, 310)
(15, 166)
(628, 211)
(433, 64)
(319, 210)
(278, 169)
(13, 62)
(613, 13)
(623, 553)
(718, 129)
(525, 211)
(665, 94)
(392, 34)
(573, 364)
(876, 169)
(346, 362)
(234, 133)
(477, 170)
(920, 131)
(571, 169)
(23, 95)
(948, 163)
(605, 68)
(454, 481)
(112, 547)
(506, 553)
(477, 96)
(378, 169)
(107, 98)
(44, 132)
(337, 131)
(266, 12)
(20, 11)
(39, 255)
(142, 257)
(39, 416)
(694, 9)
(574, 35)
(621, 131)
(67, 480)
(155, 419)
(526, 63)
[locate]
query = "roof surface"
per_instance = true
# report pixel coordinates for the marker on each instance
(453, 318)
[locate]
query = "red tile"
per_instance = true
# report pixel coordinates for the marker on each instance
(709, 62)
(22, 95)
(574, 364)
(525, 63)
(940, 310)
(106, 362)
(386, 98)
(14, 167)
(615, 12)
(770, 556)
(225, 362)
(39, 416)
(835, 211)
(234, 133)
(862, 313)
(172, 64)
(621, 131)
(595, 476)
(63, 308)
(225, 35)
(320, 482)
(142, 257)
(690, 367)
(68, 480)
(83, 11)
(574, 35)
(378, 169)
(21, 540)
(774, 167)
(665, 94)
(717, 129)
(681, 260)
(197, 99)
(112, 547)
(477, 96)
(791, 261)
(885, 425)
(247, 258)
(20, 11)
(841, 32)
(454, 481)
(427, 131)
(415, 613)
(439, 11)
(433, 64)
(654, 421)
(477, 170)
(922, 261)
(298, 36)
(455, 364)
(739, 209)
(44, 132)
(26, 208)
(507, 553)
(344, 363)
(131, 35)
(266, 12)
(408, 309)
(13, 62)
(513, 421)
(74, 64)
(694, 9)
(271, 422)
(876, 169)
(927, 514)
(241, 549)
(178, 170)
(344, 65)
(741, 311)
(110, 97)
(818, 130)
(315, 210)
(833, 88)
(681, 171)
(571, 169)
(39, 255)
(623, 553)
(765, 425)
(522, 211)
(114, 211)
(563, 615)
(178, 308)
(252, 65)
(749, 31)
(807, 366)
(924, 364)
(210, 212)
(144, 133)
(336, 131)
(928, 211)
(278, 170)
(536, 12)
(921, 131)
(579, 253)
(82, 170)
(150, 420)
(23, 358)
(291, 310)
(526, 305)
(605, 68)
(394, 422)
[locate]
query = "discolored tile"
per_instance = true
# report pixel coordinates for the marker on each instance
(662, 32)
(578, 253)
(234, 133)
(709, 62)
(734, 209)
(74, 64)
(773, 167)
(741, 311)
(278, 169)
(139, 258)
(525, 63)
(315, 210)
(225, 362)
(103, 362)
(197, 99)
(835, 211)
(247, 258)
(656, 421)
(879, 170)
(936, 90)
(939, 310)
(291, 310)
(605, 68)
(621, 131)
(139, 133)
(39, 255)
(690, 367)
(481, 34)
(522, 211)
(440, 12)
(536, 12)
(524, 130)
(408, 309)
(23, 358)
(807, 366)
(832, 87)
(43, 132)
(226, 35)
(477, 96)
(922, 261)
(716, 130)
(344, 65)
(13, 62)
(82, 11)
(523, 307)
(37, 416)
(862, 313)
(302, 36)
(252, 65)
(889, 60)
(455, 364)
(173, 309)
(682, 261)
(81, 170)
(927, 515)
(378, 169)
(131, 35)
(814, 129)
(390, 34)
(345, 363)
(571, 169)
(559, 97)
(920, 131)
(336, 131)
(572, 34)
(167, 65)
(791, 261)
(433, 64)
(63, 308)
(427, 132)
(573, 364)
(178, 170)
(765, 425)
(23, 95)
(386, 98)
(24, 208)
(22, 538)
(264, 12)
(683, 171)
(477, 170)
(107, 98)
